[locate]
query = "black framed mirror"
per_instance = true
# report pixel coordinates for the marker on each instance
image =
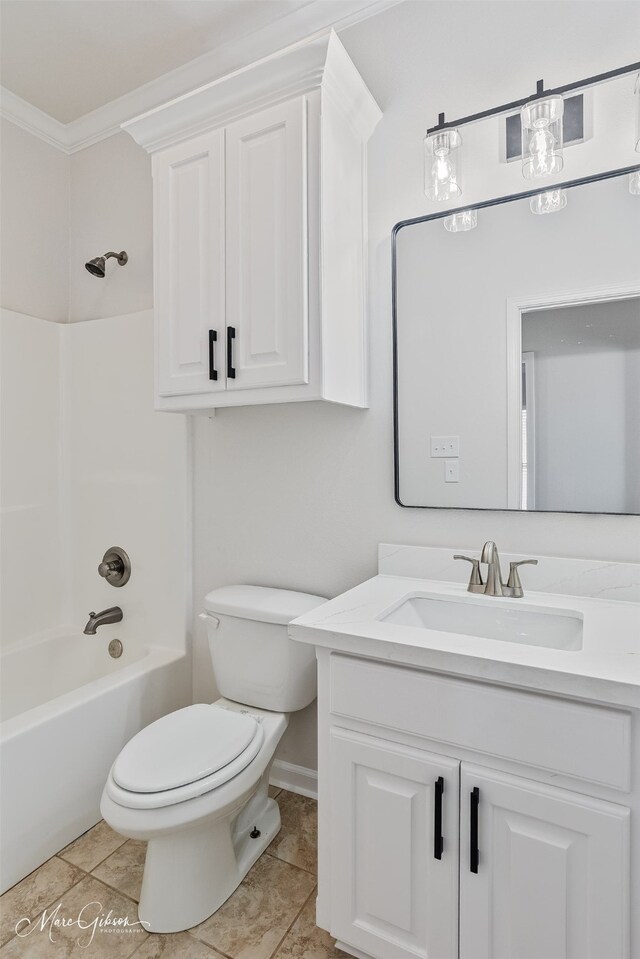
(516, 351)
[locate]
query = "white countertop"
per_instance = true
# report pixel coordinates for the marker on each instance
(605, 670)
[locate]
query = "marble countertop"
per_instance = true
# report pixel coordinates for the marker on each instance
(606, 669)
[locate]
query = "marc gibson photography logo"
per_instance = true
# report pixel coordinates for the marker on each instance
(91, 919)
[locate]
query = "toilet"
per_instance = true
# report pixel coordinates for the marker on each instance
(194, 784)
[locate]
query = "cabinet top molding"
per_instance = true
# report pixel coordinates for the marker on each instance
(321, 64)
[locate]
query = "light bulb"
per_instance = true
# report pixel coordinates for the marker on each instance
(541, 122)
(442, 165)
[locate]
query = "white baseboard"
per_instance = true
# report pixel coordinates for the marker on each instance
(297, 779)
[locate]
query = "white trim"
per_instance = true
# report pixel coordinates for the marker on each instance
(310, 22)
(33, 120)
(515, 307)
(295, 779)
(288, 73)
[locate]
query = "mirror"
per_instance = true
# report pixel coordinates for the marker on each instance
(517, 354)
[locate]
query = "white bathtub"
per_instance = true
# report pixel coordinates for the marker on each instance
(67, 710)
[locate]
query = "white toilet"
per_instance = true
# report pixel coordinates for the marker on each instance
(194, 784)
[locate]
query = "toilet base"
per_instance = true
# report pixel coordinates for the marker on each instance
(190, 874)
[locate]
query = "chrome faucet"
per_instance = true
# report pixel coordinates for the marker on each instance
(491, 557)
(111, 615)
(494, 585)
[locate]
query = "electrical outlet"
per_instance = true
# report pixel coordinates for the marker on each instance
(445, 446)
(452, 471)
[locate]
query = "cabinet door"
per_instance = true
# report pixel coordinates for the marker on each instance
(552, 871)
(189, 266)
(267, 248)
(391, 896)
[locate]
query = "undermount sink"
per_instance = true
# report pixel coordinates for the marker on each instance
(490, 619)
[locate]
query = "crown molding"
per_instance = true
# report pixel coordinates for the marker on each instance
(313, 21)
(321, 63)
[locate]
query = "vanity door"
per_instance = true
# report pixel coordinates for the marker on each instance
(544, 873)
(394, 856)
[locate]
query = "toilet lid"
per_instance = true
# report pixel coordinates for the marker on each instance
(183, 747)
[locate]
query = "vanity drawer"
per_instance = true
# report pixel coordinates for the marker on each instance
(591, 743)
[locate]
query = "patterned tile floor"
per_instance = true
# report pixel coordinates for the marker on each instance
(271, 914)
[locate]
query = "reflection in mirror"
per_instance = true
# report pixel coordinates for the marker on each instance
(518, 356)
(580, 408)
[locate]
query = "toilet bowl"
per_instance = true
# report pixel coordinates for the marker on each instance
(194, 784)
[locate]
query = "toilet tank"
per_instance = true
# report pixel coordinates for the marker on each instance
(254, 661)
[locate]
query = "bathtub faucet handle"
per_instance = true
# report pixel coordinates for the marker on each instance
(115, 566)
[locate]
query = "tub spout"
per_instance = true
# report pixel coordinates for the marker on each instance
(111, 615)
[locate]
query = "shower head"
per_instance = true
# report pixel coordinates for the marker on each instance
(97, 266)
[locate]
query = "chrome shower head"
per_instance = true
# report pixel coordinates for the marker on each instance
(98, 266)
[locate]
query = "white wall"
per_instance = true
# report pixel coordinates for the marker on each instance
(34, 225)
(111, 208)
(300, 496)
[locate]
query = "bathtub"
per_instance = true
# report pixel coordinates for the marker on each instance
(67, 710)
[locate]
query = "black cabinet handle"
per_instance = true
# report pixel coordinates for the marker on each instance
(438, 842)
(231, 335)
(474, 852)
(213, 373)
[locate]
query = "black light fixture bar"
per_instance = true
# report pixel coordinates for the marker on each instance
(443, 124)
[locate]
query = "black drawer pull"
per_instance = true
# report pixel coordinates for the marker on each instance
(231, 335)
(438, 842)
(474, 852)
(213, 373)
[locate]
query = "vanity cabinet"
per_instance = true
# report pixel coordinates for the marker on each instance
(259, 233)
(429, 850)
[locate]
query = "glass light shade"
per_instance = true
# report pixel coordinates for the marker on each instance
(541, 122)
(634, 183)
(549, 202)
(461, 222)
(442, 165)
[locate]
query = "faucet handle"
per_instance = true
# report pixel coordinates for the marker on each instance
(513, 582)
(475, 579)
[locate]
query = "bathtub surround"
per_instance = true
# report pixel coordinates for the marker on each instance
(98, 467)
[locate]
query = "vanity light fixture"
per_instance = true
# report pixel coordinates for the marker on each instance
(442, 165)
(542, 134)
(461, 222)
(541, 121)
(549, 202)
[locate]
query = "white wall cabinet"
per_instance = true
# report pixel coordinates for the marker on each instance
(428, 851)
(260, 232)
(189, 266)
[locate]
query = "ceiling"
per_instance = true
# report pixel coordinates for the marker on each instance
(69, 57)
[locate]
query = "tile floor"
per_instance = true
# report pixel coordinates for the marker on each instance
(271, 914)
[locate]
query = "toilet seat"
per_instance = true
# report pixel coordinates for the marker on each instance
(183, 755)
